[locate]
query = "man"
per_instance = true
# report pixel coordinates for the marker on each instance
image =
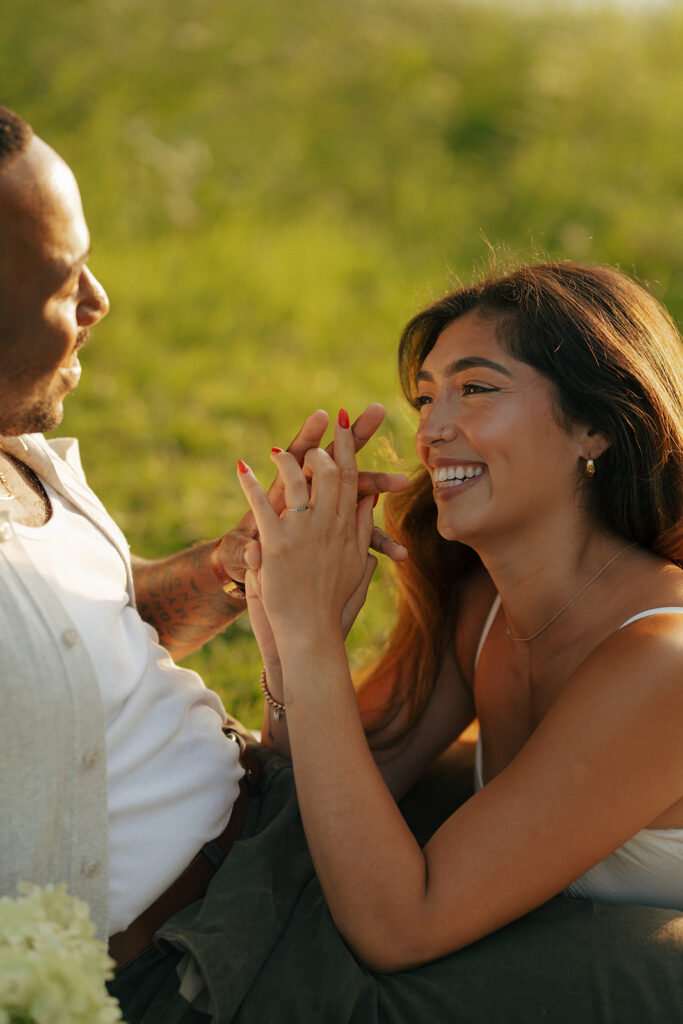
(117, 777)
(115, 804)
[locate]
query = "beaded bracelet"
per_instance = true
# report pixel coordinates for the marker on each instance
(278, 708)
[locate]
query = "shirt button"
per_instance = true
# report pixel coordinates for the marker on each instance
(90, 758)
(70, 637)
(91, 868)
(5, 531)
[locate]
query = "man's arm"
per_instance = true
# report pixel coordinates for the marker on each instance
(181, 595)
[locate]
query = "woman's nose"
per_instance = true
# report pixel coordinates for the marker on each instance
(434, 429)
(94, 303)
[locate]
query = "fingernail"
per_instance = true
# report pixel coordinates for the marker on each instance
(343, 419)
(276, 451)
(242, 467)
(375, 500)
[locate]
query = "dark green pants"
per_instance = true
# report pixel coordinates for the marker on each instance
(261, 947)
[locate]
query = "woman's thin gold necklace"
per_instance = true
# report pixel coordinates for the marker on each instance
(526, 639)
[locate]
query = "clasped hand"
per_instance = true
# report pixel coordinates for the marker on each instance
(315, 567)
(240, 548)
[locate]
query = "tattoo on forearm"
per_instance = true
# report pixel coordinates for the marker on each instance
(181, 601)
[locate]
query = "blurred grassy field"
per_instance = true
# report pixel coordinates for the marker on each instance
(273, 188)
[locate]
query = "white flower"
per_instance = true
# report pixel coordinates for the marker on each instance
(52, 969)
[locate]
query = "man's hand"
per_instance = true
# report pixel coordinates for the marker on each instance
(239, 549)
(180, 595)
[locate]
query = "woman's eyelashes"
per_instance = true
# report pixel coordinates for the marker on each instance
(420, 400)
(477, 389)
(470, 388)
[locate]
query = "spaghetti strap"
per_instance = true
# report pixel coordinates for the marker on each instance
(673, 610)
(478, 753)
(487, 626)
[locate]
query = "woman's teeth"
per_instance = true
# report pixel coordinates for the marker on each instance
(451, 476)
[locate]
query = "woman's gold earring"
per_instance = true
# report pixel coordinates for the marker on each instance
(590, 467)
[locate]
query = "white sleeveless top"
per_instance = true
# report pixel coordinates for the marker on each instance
(648, 868)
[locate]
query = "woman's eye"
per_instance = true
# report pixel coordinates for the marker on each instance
(476, 389)
(421, 400)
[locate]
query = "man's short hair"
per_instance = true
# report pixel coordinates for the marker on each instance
(15, 135)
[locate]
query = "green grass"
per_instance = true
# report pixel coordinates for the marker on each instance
(273, 188)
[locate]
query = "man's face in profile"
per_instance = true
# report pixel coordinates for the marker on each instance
(48, 296)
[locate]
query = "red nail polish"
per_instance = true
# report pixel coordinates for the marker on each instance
(242, 467)
(375, 500)
(276, 451)
(343, 419)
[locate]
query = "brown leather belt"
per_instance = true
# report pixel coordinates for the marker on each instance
(192, 884)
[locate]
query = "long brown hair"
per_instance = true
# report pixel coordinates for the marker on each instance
(615, 359)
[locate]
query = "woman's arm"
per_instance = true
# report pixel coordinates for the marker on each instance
(450, 708)
(448, 712)
(605, 761)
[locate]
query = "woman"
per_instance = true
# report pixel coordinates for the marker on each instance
(544, 596)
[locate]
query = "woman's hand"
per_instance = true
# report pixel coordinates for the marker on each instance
(260, 625)
(239, 549)
(315, 554)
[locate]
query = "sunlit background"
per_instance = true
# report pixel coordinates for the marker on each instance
(274, 186)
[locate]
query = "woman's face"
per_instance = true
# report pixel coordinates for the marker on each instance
(499, 460)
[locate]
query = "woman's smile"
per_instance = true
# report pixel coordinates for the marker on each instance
(453, 477)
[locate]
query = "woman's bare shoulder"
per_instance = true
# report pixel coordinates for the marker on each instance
(654, 584)
(644, 643)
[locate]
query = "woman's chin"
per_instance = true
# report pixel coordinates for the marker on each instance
(460, 531)
(450, 530)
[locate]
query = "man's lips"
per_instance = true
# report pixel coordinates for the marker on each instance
(71, 373)
(71, 367)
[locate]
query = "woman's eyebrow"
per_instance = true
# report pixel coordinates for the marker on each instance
(458, 365)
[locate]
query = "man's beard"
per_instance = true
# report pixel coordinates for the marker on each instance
(43, 414)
